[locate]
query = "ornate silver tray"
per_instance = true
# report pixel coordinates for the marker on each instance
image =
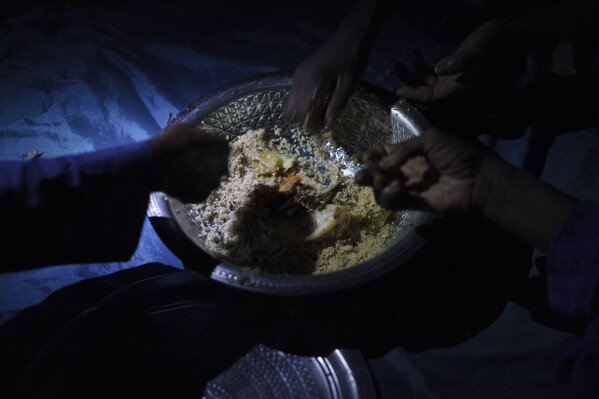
(369, 118)
(266, 373)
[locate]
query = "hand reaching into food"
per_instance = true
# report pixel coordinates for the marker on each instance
(438, 171)
(323, 83)
(189, 162)
(90, 207)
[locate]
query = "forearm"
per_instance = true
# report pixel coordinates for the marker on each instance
(84, 208)
(520, 203)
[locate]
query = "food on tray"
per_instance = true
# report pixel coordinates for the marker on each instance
(333, 218)
(282, 211)
(290, 183)
(275, 162)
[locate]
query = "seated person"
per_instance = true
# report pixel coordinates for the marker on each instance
(90, 207)
(441, 172)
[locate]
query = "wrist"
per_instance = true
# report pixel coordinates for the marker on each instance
(520, 203)
(491, 187)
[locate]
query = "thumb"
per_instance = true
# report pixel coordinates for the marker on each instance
(450, 65)
(468, 54)
(402, 151)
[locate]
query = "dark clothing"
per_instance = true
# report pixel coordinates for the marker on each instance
(573, 286)
(81, 208)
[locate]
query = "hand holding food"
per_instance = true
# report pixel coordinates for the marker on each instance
(464, 176)
(432, 171)
(189, 162)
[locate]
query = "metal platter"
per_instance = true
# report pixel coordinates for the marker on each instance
(265, 373)
(161, 336)
(370, 117)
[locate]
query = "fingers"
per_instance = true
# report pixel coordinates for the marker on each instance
(380, 181)
(364, 178)
(374, 154)
(383, 162)
(315, 117)
(471, 50)
(434, 91)
(298, 104)
(421, 94)
(391, 196)
(467, 54)
(301, 106)
(339, 98)
(371, 157)
(401, 153)
(388, 193)
(450, 65)
(397, 196)
(384, 175)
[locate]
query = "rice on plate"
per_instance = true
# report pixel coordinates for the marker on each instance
(282, 212)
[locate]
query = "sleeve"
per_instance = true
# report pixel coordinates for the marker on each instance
(573, 265)
(576, 374)
(573, 287)
(74, 209)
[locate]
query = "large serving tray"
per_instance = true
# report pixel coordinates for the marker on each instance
(370, 117)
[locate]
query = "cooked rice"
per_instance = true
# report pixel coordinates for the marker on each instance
(231, 222)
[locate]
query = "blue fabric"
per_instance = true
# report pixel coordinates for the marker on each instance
(573, 265)
(575, 375)
(573, 279)
(100, 74)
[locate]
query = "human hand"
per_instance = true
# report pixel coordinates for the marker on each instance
(434, 171)
(444, 100)
(492, 52)
(440, 172)
(491, 59)
(424, 86)
(323, 83)
(189, 162)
